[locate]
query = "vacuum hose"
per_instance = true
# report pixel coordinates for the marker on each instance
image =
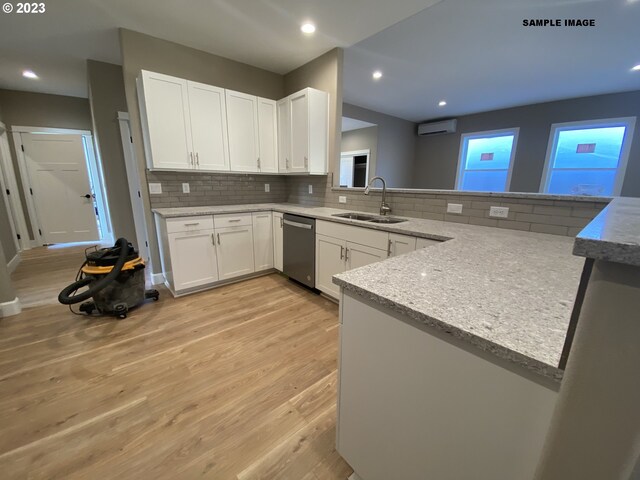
(94, 285)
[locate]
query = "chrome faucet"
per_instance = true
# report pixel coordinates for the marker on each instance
(384, 206)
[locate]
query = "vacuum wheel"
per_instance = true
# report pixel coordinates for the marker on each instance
(152, 294)
(88, 307)
(121, 310)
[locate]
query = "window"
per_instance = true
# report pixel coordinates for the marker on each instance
(587, 158)
(486, 159)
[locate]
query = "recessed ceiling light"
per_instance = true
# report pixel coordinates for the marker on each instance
(377, 74)
(442, 103)
(308, 28)
(29, 74)
(636, 68)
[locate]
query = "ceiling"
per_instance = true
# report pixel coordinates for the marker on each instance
(349, 124)
(478, 56)
(264, 33)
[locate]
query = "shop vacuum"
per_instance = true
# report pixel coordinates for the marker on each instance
(114, 278)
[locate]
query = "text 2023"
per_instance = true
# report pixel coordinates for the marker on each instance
(30, 7)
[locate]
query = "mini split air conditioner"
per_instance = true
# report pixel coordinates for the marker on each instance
(437, 128)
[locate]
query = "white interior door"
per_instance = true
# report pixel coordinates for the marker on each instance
(242, 125)
(209, 126)
(59, 179)
(346, 170)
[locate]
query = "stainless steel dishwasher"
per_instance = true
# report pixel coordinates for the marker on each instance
(299, 249)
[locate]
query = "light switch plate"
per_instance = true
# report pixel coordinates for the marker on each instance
(310, 189)
(342, 199)
(454, 208)
(499, 212)
(267, 188)
(185, 188)
(155, 188)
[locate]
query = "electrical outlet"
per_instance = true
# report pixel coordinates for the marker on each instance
(310, 189)
(342, 199)
(185, 188)
(454, 208)
(267, 188)
(499, 212)
(155, 188)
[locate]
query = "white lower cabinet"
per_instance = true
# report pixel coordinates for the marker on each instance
(278, 241)
(401, 244)
(330, 253)
(234, 246)
(193, 257)
(335, 255)
(262, 241)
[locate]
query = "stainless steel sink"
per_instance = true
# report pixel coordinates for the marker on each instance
(387, 220)
(355, 216)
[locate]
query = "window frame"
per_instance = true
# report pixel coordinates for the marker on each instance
(628, 122)
(515, 131)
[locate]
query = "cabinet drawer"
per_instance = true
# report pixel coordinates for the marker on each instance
(360, 235)
(232, 220)
(187, 224)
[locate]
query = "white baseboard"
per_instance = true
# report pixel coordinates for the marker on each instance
(13, 263)
(10, 308)
(157, 279)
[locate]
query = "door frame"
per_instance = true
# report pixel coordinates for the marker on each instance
(94, 169)
(12, 202)
(135, 188)
(357, 153)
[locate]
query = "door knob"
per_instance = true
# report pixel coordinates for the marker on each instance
(88, 195)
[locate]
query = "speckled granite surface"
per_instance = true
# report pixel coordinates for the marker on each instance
(614, 235)
(506, 292)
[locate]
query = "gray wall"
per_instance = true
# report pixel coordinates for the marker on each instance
(323, 73)
(141, 51)
(396, 144)
(41, 110)
(107, 98)
(437, 157)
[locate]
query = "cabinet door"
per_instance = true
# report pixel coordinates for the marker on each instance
(262, 240)
(284, 134)
(193, 257)
(360, 255)
(268, 135)
(208, 127)
(401, 244)
(299, 132)
(330, 260)
(242, 125)
(164, 106)
(277, 240)
(234, 246)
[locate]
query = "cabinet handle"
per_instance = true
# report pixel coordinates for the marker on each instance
(213, 240)
(306, 162)
(389, 249)
(191, 158)
(197, 159)
(286, 162)
(281, 225)
(258, 163)
(346, 254)
(191, 224)
(341, 252)
(235, 220)
(218, 238)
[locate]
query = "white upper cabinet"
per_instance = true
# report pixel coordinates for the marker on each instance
(303, 130)
(284, 134)
(242, 124)
(208, 126)
(268, 135)
(164, 109)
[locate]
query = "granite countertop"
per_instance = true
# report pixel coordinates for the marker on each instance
(614, 235)
(506, 292)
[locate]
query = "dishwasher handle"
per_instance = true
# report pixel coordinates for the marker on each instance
(298, 225)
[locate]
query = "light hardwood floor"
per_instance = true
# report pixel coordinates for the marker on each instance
(234, 383)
